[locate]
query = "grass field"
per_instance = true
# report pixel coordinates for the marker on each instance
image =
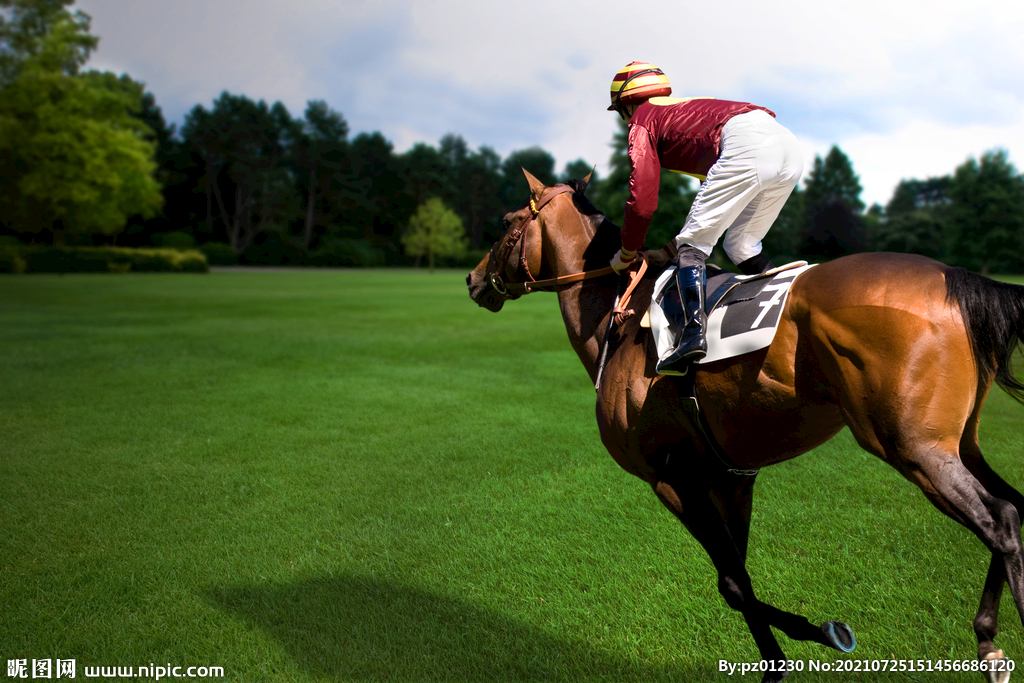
(361, 476)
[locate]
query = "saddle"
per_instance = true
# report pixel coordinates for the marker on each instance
(743, 311)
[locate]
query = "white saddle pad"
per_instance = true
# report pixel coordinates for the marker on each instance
(735, 327)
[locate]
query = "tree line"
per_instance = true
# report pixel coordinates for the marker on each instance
(88, 158)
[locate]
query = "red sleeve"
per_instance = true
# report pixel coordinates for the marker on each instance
(644, 182)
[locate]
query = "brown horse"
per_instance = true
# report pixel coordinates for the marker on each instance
(899, 348)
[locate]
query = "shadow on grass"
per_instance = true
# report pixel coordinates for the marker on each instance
(362, 628)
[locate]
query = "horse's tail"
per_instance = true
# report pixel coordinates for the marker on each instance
(993, 313)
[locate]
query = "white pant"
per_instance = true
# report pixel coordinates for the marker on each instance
(745, 190)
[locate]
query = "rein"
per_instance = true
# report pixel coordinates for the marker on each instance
(518, 234)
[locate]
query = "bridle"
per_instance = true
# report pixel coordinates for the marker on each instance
(518, 234)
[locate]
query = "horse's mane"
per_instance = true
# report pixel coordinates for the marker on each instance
(606, 234)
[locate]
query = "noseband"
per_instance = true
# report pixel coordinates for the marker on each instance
(518, 234)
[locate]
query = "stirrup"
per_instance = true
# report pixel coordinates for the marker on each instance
(680, 363)
(669, 370)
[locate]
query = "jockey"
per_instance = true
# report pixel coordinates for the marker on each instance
(747, 163)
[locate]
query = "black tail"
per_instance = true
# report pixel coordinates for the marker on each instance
(994, 315)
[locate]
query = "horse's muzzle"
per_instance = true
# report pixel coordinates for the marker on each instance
(483, 290)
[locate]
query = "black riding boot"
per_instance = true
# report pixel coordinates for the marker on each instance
(683, 306)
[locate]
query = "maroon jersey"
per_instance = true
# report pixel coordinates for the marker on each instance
(680, 135)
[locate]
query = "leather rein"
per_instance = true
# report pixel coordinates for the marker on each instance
(518, 234)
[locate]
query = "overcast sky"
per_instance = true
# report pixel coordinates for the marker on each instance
(907, 88)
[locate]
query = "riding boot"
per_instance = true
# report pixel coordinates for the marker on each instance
(683, 306)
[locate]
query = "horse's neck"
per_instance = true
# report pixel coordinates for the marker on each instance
(586, 307)
(585, 311)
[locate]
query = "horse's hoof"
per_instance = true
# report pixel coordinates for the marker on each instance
(1002, 673)
(839, 635)
(774, 676)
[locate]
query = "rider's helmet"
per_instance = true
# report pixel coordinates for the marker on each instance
(636, 82)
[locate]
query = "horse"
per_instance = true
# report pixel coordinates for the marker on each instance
(899, 348)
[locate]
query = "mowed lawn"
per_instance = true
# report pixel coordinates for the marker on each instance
(361, 476)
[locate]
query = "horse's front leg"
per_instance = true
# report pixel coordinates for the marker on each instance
(707, 507)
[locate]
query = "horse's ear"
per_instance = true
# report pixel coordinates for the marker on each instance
(586, 181)
(536, 186)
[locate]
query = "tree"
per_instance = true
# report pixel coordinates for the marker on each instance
(383, 204)
(30, 28)
(917, 220)
(987, 209)
(75, 159)
(244, 146)
(427, 173)
(514, 190)
(578, 170)
(833, 207)
(180, 173)
(482, 194)
(435, 230)
(320, 153)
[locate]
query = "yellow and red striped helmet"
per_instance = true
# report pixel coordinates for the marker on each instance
(636, 82)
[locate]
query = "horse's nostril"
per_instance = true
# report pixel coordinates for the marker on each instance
(469, 279)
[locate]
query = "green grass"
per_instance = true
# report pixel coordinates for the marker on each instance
(361, 476)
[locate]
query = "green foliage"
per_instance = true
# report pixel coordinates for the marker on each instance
(513, 189)
(46, 259)
(832, 180)
(244, 147)
(611, 193)
(318, 153)
(578, 170)
(435, 230)
(360, 253)
(675, 197)
(973, 217)
(535, 160)
(472, 183)
(987, 206)
(45, 32)
(11, 260)
(176, 239)
(917, 219)
(219, 254)
(832, 208)
(74, 158)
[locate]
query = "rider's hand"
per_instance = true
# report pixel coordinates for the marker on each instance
(622, 259)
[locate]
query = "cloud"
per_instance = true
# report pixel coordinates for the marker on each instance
(905, 89)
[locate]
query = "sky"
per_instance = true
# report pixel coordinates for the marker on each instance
(906, 88)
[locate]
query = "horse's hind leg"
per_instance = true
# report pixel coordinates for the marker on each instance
(986, 622)
(897, 379)
(956, 491)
